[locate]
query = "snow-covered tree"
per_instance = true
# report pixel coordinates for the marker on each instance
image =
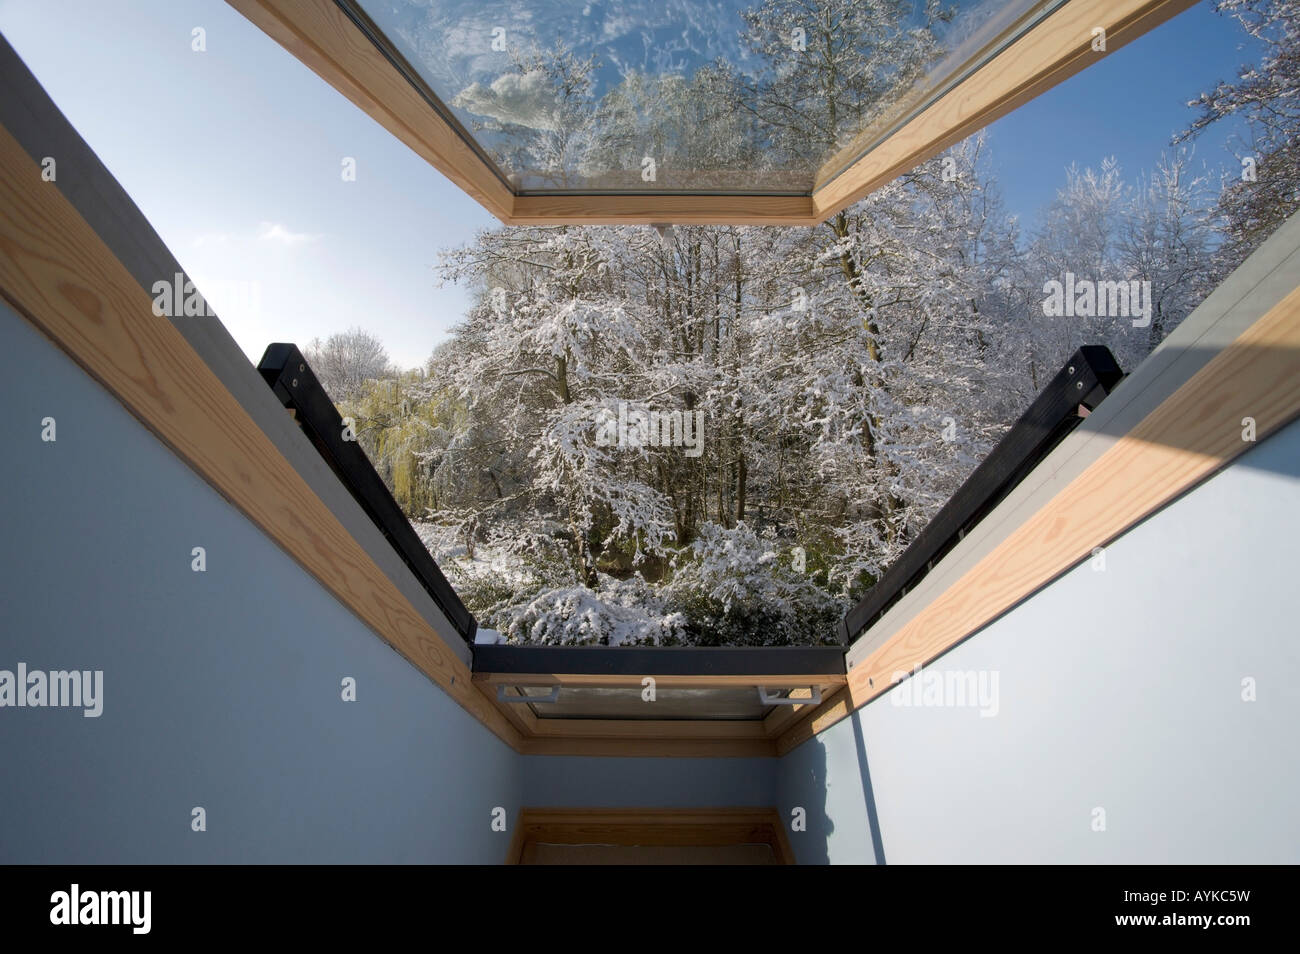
(345, 361)
(1265, 190)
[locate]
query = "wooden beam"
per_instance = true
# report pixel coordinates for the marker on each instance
(651, 748)
(653, 209)
(1186, 439)
(58, 274)
(694, 729)
(1050, 52)
(679, 827)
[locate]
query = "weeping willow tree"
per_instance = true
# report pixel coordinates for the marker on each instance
(398, 424)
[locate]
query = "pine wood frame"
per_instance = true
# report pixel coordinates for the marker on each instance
(322, 36)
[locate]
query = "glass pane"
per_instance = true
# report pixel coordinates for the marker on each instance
(729, 704)
(765, 96)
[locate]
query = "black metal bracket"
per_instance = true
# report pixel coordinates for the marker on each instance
(290, 376)
(1089, 375)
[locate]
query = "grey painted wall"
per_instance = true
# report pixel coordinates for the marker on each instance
(221, 688)
(1118, 689)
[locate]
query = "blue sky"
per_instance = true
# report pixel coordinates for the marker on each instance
(234, 155)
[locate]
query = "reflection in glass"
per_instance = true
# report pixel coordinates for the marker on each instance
(764, 96)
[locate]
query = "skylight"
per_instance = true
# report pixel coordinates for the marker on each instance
(717, 112)
(721, 96)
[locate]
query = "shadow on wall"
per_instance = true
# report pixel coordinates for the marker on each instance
(868, 794)
(826, 783)
(812, 847)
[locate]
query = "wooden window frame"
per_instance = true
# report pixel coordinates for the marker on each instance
(704, 738)
(58, 273)
(325, 38)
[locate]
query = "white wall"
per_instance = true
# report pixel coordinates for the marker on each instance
(1118, 689)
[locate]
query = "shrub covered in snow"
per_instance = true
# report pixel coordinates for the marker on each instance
(736, 588)
(623, 612)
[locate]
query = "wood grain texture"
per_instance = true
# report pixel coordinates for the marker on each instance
(653, 209)
(1052, 51)
(708, 748)
(1186, 439)
(695, 827)
(544, 853)
(56, 272)
(321, 36)
(718, 729)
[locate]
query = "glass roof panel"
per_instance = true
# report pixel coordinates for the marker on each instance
(695, 96)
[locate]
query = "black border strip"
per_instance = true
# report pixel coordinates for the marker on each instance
(284, 368)
(1086, 379)
(754, 661)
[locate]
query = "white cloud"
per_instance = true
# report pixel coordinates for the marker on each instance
(266, 232)
(275, 232)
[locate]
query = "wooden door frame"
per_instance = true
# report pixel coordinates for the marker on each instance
(660, 827)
